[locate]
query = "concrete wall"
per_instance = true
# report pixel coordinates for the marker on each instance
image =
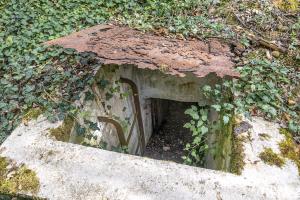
(156, 84)
(116, 100)
(218, 157)
(113, 100)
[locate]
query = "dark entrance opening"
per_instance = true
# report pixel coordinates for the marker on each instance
(169, 137)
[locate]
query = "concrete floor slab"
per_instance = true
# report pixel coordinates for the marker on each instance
(74, 172)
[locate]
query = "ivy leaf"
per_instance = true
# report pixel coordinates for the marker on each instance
(204, 129)
(9, 40)
(93, 126)
(194, 114)
(79, 129)
(217, 107)
(89, 96)
(225, 119)
(187, 125)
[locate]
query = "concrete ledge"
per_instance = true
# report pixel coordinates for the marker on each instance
(70, 171)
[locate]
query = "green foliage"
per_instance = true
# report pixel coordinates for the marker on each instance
(32, 75)
(198, 125)
(22, 180)
(189, 17)
(50, 78)
(264, 89)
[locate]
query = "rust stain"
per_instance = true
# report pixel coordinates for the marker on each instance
(122, 45)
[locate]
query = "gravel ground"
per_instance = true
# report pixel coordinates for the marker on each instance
(169, 141)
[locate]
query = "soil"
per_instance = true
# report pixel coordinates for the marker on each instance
(170, 140)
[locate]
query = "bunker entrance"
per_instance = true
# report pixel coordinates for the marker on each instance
(124, 110)
(169, 137)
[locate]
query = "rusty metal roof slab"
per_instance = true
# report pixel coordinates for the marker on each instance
(123, 45)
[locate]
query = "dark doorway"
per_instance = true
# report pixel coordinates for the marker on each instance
(169, 137)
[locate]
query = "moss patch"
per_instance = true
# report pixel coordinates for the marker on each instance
(237, 156)
(3, 165)
(264, 136)
(289, 148)
(288, 5)
(17, 179)
(62, 133)
(271, 158)
(33, 113)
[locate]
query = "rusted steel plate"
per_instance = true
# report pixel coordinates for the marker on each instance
(122, 45)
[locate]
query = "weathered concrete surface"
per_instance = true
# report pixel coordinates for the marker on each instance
(287, 177)
(114, 101)
(151, 84)
(72, 172)
(219, 141)
(122, 45)
(157, 85)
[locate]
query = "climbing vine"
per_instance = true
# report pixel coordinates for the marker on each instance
(198, 126)
(264, 89)
(35, 76)
(204, 123)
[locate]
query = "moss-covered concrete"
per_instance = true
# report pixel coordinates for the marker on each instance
(32, 113)
(237, 162)
(224, 147)
(220, 145)
(17, 179)
(271, 158)
(289, 148)
(62, 133)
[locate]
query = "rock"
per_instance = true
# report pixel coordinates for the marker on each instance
(242, 127)
(236, 59)
(282, 28)
(268, 55)
(239, 49)
(286, 116)
(275, 54)
(211, 10)
(166, 148)
(11, 174)
(291, 102)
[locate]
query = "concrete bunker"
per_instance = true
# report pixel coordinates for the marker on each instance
(141, 78)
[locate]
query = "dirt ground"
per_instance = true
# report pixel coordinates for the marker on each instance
(169, 141)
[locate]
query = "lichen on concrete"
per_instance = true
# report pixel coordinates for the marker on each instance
(62, 133)
(289, 148)
(17, 179)
(271, 158)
